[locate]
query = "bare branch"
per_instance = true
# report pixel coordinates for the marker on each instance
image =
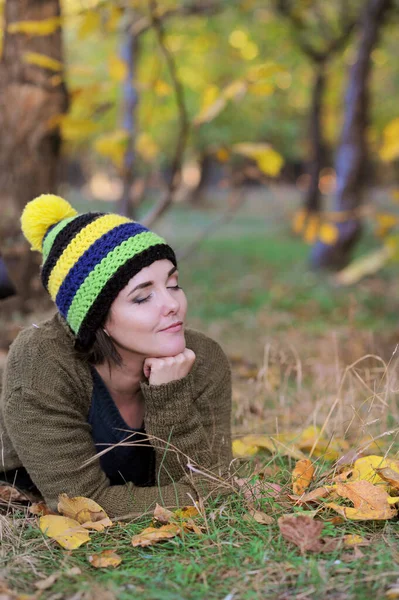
(175, 176)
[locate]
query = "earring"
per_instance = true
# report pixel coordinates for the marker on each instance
(106, 332)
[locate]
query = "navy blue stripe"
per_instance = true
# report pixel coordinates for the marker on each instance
(89, 259)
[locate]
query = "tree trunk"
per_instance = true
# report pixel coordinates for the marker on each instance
(351, 159)
(129, 55)
(31, 98)
(312, 202)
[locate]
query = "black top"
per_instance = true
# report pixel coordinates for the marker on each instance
(135, 462)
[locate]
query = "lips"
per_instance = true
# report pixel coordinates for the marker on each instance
(174, 327)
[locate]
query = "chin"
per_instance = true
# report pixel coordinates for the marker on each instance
(171, 347)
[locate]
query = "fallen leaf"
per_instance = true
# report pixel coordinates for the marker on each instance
(40, 508)
(162, 515)
(189, 525)
(328, 448)
(305, 532)
(389, 475)
(313, 496)
(363, 494)
(393, 592)
(302, 475)
(45, 584)
(187, 512)
(366, 468)
(352, 539)
(354, 514)
(258, 489)
(67, 532)
(261, 517)
(152, 535)
(84, 510)
(106, 558)
(243, 450)
(11, 494)
(73, 571)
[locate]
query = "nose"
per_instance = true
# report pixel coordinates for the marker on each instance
(170, 303)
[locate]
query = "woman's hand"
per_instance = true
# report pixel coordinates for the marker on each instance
(170, 368)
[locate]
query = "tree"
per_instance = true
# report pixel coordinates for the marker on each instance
(320, 30)
(352, 155)
(32, 97)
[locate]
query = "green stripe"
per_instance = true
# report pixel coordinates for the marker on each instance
(103, 271)
(49, 239)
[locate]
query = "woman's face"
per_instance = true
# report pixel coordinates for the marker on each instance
(141, 315)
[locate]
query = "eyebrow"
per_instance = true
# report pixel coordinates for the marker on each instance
(145, 284)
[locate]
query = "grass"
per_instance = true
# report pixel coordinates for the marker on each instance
(291, 335)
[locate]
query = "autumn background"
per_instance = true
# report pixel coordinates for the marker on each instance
(261, 138)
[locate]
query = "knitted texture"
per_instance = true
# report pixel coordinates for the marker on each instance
(88, 259)
(44, 406)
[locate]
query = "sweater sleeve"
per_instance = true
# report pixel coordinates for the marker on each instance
(188, 420)
(54, 443)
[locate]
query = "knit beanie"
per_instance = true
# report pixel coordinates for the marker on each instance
(87, 259)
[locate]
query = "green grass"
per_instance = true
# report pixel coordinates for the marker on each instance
(234, 556)
(249, 281)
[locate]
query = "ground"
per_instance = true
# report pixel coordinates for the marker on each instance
(298, 344)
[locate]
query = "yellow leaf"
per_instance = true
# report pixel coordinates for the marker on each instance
(243, 450)
(86, 512)
(146, 147)
(390, 147)
(116, 12)
(366, 468)
(67, 532)
(328, 233)
(222, 155)
(106, 558)
(74, 129)
(234, 89)
(330, 449)
(298, 221)
(112, 145)
(352, 539)
(117, 68)
(41, 60)
(302, 475)
(311, 229)
(368, 514)
(161, 88)
(261, 517)
(367, 265)
(261, 89)
(268, 160)
(89, 23)
(35, 28)
(152, 535)
(187, 512)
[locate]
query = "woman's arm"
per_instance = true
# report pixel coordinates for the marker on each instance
(53, 442)
(189, 418)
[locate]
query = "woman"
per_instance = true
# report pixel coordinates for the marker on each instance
(114, 364)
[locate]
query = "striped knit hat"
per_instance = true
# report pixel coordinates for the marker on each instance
(87, 259)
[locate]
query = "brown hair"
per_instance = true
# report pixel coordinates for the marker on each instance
(103, 350)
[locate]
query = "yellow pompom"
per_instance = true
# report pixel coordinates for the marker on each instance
(42, 212)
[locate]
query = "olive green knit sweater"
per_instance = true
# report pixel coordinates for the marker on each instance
(44, 406)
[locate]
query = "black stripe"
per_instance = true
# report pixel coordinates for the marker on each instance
(62, 240)
(99, 310)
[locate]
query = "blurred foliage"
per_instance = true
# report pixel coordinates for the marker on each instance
(244, 81)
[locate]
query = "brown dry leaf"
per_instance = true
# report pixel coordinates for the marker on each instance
(390, 476)
(105, 559)
(11, 494)
(40, 508)
(313, 496)
(258, 489)
(162, 515)
(84, 510)
(305, 532)
(45, 584)
(302, 475)
(363, 493)
(352, 539)
(152, 535)
(67, 532)
(261, 517)
(368, 514)
(189, 525)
